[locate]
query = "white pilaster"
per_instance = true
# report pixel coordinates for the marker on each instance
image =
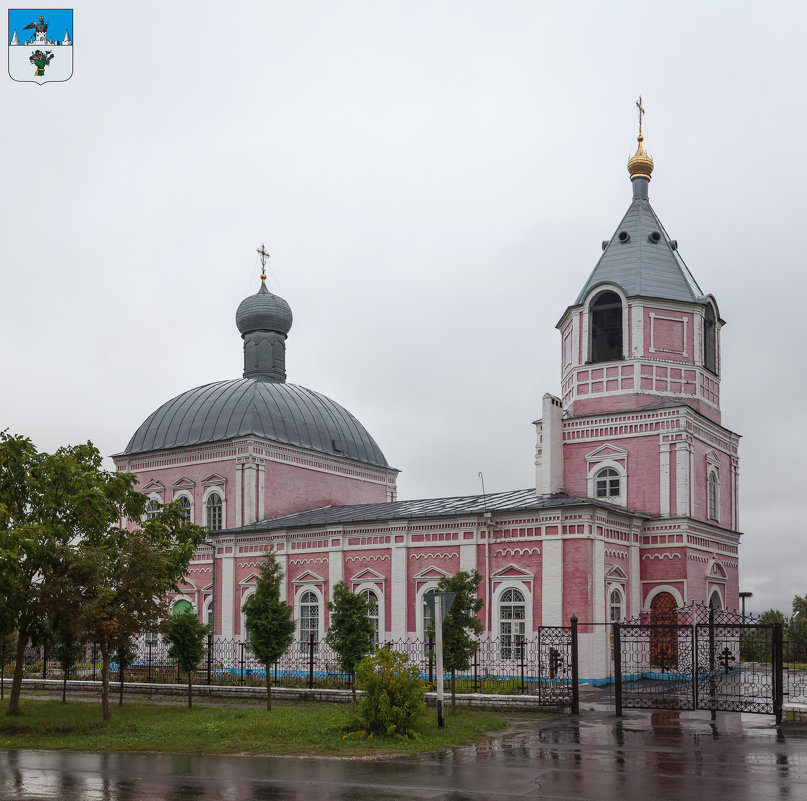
(682, 478)
(398, 591)
(664, 479)
(227, 598)
(336, 570)
(250, 493)
(468, 557)
(552, 582)
(239, 511)
(261, 490)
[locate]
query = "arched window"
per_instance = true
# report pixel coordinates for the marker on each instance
(428, 619)
(605, 321)
(153, 508)
(372, 602)
(710, 339)
(617, 603)
(185, 505)
(713, 495)
(309, 618)
(715, 602)
(607, 484)
(512, 623)
(181, 606)
(214, 512)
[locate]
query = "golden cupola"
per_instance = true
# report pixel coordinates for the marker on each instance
(640, 165)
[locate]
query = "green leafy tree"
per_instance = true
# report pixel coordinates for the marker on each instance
(268, 620)
(462, 624)
(755, 644)
(186, 636)
(49, 504)
(351, 632)
(393, 694)
(118, 580)
(65, 643)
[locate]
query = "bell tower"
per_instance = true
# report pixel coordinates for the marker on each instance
(641, 330)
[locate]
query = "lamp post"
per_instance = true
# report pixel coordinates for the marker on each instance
(743, 596)
(212, 588)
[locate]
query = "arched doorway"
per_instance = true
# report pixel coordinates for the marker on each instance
(663, 640)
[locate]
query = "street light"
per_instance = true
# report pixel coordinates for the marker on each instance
(212, 614)
(743, 596)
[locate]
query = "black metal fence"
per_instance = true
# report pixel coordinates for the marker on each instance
(703, 658)
(544, 665)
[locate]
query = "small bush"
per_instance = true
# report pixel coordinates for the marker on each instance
(393, 694)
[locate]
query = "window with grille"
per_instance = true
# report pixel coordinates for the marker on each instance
(372, 602)
(617, 606)
(607, 484)
(153, 509)
(309, 618)
(512, 624)
(185, 505)
(214, 516)
(713, 495)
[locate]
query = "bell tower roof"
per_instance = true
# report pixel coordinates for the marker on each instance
(640, 257)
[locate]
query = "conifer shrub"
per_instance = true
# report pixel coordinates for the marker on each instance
(394, 693)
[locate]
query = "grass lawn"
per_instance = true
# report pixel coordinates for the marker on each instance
(290, 728)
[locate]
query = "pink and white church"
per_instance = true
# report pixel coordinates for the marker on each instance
(634, 506)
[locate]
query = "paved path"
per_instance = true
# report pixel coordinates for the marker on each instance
(662, 756)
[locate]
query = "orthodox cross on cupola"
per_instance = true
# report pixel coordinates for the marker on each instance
(641, 113)
(264, 256)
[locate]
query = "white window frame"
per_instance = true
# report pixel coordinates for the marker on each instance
(218, 490)
(147, 514)
(526, 591)
(185, 494)
(595, 469)
(379, 596)
(712, 480)
(420, 604)
(620, 590)
(298, 612)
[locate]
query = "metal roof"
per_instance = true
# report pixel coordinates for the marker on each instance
(641, 266)
(276, 411)
(514, 500)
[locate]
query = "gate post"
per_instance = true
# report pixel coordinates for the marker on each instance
(618, 669)
(311, 660)
(575, 670)
(209, 658)
(712, 679)
(778, 672)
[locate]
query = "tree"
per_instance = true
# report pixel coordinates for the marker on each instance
(119, 579)
(461, 624)
(393, 693)
(268, 620)
(351, 632)
(49, 503)
(186, 636)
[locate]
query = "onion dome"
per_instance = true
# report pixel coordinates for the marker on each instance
(641, 165)
(263, 311)
(273, 410)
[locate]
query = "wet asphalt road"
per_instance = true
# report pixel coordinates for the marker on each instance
(647, 756)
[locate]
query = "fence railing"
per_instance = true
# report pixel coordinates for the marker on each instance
(543, 665)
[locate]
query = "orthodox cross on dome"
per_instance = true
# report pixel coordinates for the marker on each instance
(264, 256)
(641, 113)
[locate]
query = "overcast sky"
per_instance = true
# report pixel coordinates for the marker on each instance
(433, 181)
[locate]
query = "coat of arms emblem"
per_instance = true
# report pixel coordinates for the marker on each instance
(37, 51)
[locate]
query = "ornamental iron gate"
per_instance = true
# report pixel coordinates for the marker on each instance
(698, 658)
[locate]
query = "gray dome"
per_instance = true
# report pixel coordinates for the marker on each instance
(263, 311)
(273, 410)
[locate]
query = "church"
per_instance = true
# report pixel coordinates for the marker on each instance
(633, 509)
